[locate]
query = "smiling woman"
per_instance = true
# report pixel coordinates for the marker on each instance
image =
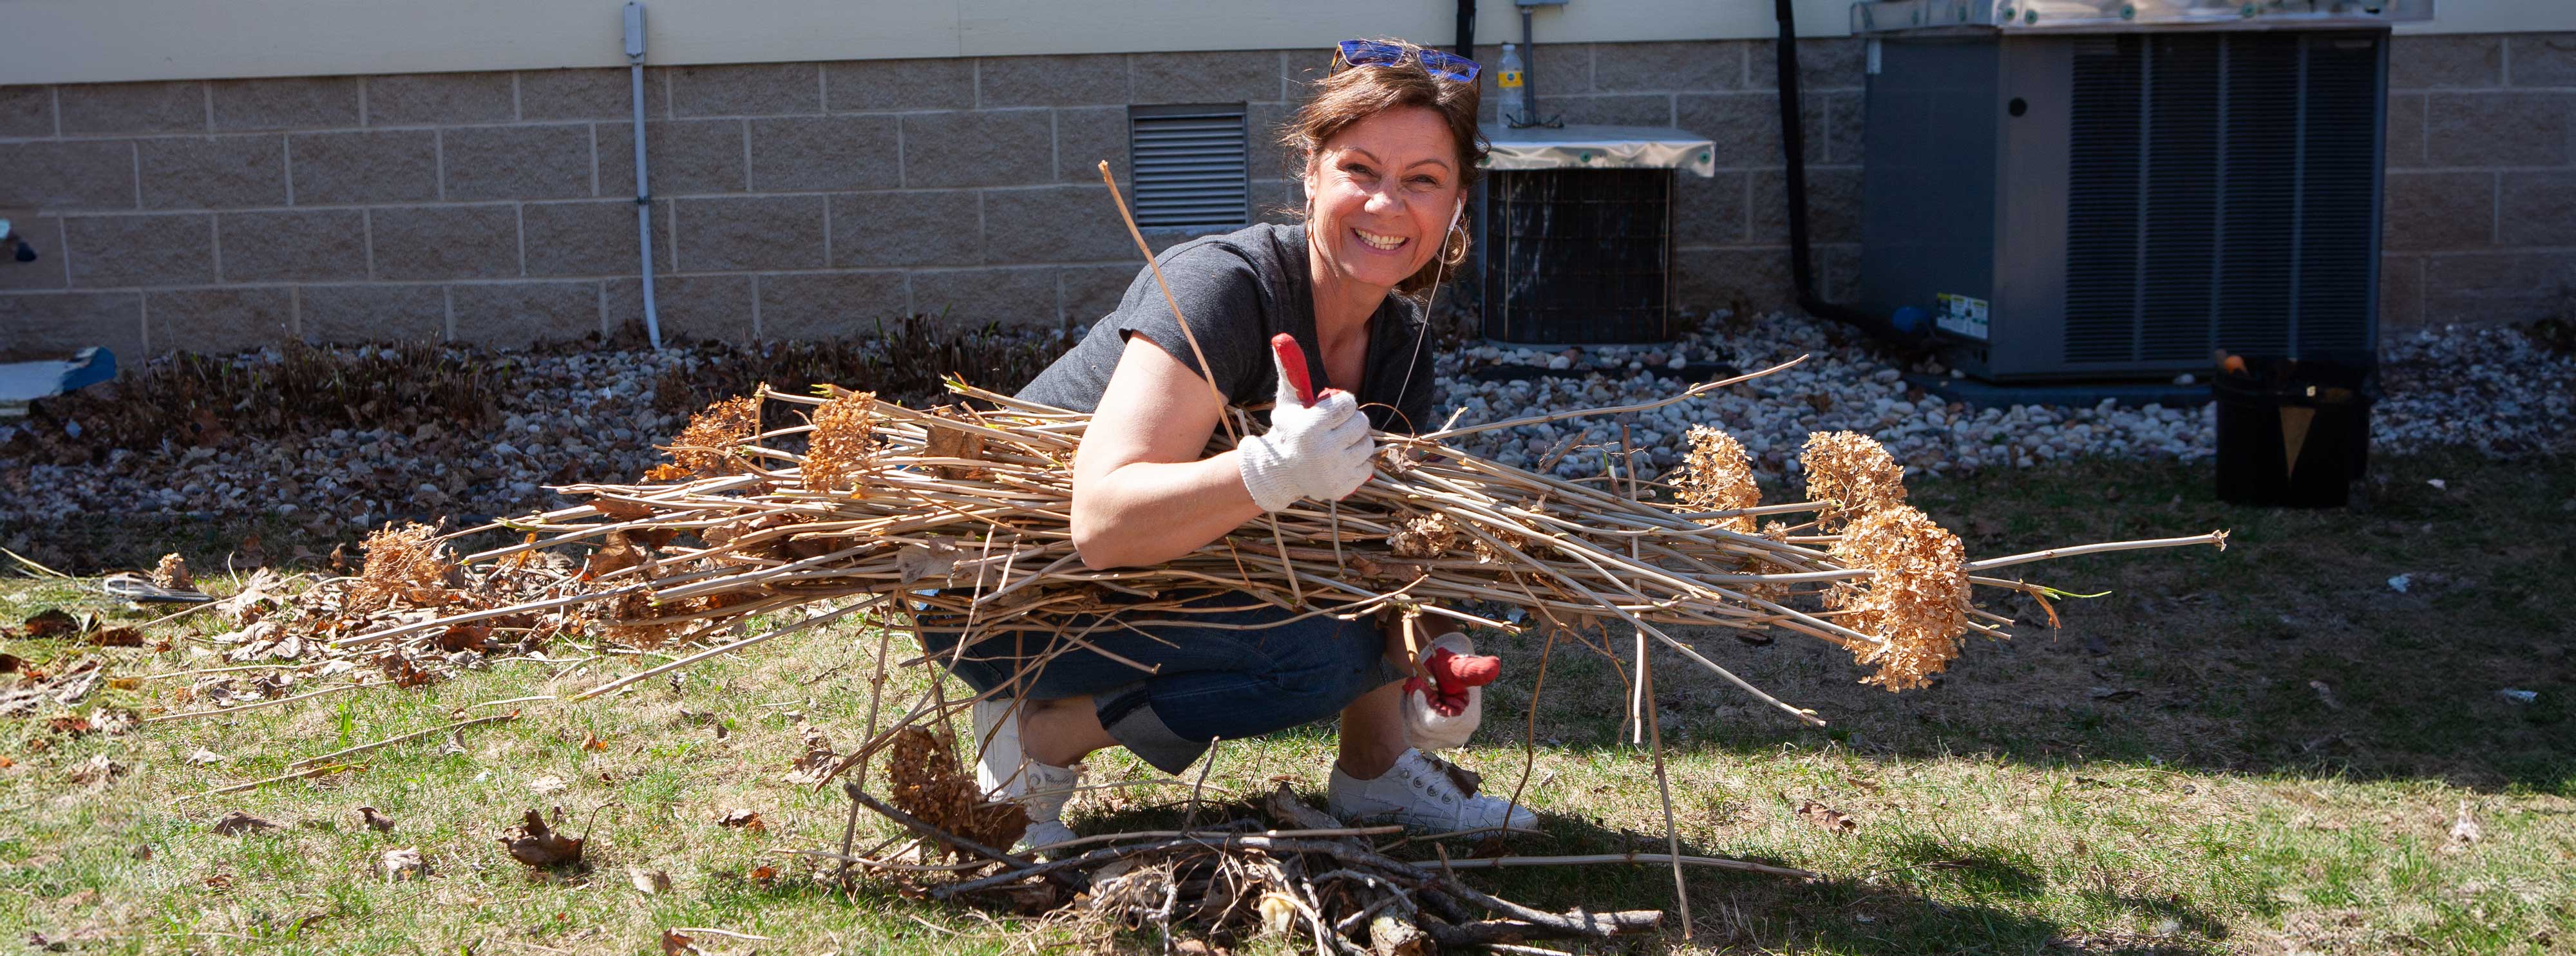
(1389, 148)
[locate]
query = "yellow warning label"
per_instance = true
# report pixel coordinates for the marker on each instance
(1508, 79)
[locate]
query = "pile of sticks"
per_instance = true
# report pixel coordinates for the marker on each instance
(1311, 879)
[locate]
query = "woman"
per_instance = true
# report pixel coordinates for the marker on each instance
(1390, 147)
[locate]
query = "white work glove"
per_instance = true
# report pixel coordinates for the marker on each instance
(1319, 451)
(1435, 719)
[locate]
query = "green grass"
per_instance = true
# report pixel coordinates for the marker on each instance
(2223, 806)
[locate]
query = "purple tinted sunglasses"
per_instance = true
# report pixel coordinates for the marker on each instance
(1373, 53)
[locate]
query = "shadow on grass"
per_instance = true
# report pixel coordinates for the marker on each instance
(2291, 652)
(1737, 910)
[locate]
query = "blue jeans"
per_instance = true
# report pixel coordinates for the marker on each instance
(1254, 673)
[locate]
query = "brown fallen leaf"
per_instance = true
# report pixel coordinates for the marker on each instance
(464, 637)
(220, 882)
(50, 622)
(764, 875)
(97, 769)
(237, 823)
(403, 864)
(68, 725)
(375, 821)
(594, 743)
(1827, 817)
(674, 944)
(119, 636)
(204, 757)
(538, 846)
(648, 882)
(819, 760)
(6, 763)
(743, 819)
(11, 663)
(549, 783)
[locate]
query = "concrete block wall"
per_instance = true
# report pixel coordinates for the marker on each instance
(2481, 206)
(804, 200)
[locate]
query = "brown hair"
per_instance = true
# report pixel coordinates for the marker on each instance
(1357, 93)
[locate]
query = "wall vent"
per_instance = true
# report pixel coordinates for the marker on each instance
(1189, 165)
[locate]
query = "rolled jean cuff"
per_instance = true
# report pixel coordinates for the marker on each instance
(1130, 719)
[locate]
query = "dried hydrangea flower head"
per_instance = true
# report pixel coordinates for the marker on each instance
(1918, 601)
(1422, 536)
(1718, 476)
(705, 448)
(404, 563)
(1850, 475)
(928, 783)
(843, 448)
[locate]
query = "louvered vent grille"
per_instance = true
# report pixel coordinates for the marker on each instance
(2222, 193)
(1189, 165)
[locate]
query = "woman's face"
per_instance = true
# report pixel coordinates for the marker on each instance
(1381, 195)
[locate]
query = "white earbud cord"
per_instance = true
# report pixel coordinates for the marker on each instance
(1439, 260)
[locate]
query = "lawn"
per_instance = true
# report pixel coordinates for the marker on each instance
(2269, 749)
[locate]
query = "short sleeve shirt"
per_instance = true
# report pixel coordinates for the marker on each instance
(1238, 290)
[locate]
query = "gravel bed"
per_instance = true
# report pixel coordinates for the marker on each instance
(587, 416)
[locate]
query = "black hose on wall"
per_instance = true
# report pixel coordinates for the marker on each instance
(1793, 143)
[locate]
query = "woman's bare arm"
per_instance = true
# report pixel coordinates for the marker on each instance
(1141, 493)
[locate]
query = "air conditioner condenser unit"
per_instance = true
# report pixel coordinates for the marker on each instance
(2072, 204)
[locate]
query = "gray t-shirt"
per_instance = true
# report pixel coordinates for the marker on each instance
(1238, 290)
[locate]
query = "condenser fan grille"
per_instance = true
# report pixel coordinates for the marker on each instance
(2222, 194)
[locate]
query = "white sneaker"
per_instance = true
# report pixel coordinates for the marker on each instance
(1004, 772)
(1419, 792)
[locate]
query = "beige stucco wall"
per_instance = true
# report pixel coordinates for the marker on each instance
(96, 41)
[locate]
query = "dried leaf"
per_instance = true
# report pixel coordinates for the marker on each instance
(1827, 817)
(538, 846)
(464, 637)
(264, 588)
(937, 559)
(376, 821)
(50, 622)
(97, 769)
(455, 743)
(764, 875)
(68, 725)
(205, 758)
(817, 763)
(674, 944)
(11, 663)
(547, 784)
(237, 823)
(593, 742)
(403, 864)
(743, 819)
(116, 637)
(114, 721)
(648, 882)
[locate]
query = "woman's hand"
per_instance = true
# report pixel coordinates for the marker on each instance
(1318, 450)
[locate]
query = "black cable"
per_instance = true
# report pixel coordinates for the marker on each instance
(1793, 144)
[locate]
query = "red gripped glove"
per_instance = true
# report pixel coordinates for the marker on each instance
(1454, 673)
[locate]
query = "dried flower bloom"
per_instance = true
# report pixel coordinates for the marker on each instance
(706, 447)
(1422, 536)
(1917, 604)
(173, 573)
(1718, 476)
(402, 563)
(843, 448)
(927, 782)
(1850, 475)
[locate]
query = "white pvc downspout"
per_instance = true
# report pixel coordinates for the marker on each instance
(643, 193)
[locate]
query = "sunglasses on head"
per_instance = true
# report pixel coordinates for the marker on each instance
(1373, 53)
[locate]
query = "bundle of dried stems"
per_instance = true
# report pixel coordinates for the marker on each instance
(958, 519)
